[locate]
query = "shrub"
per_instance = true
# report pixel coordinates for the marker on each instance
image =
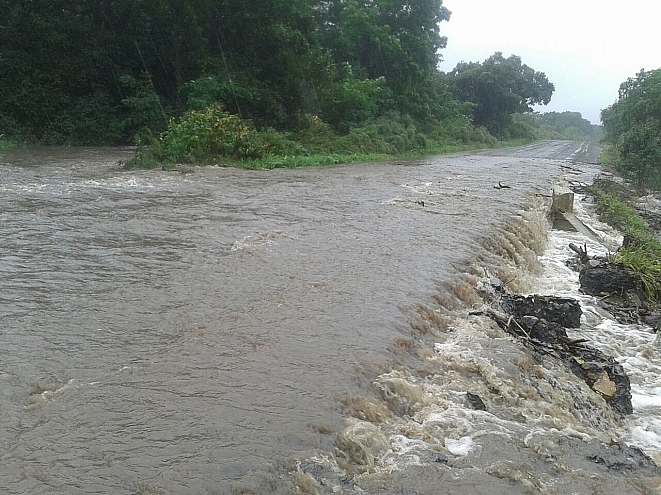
(207, 135)
(7, 144)
(350, 101)
(211, 90)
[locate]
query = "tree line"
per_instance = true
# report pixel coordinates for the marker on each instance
(363, 73)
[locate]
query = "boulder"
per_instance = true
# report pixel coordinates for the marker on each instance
(560, 310)
(549, 332)
(612, 281)
(604, 375)
(624, 459)
(476, 402)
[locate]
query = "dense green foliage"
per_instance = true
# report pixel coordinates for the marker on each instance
(6, 144)
(500, 87)
(632, 126)
(552, 125)
(568, 125)
(205, 79)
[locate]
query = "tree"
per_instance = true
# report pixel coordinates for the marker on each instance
(396, 39)
(500, 87)
(568, 125)
(632, 125)
(98, 72)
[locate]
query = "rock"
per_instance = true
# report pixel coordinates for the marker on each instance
(594, 263)
(438, 457)
(529, 321)
(476, 402)
(625, 459)
(549, 332)
(622, 292)
(591, 365)
(563, 311)
(542, 322)
(613, 281)
(652, 218)
(653, 320)
(605, 386)
(620, 311)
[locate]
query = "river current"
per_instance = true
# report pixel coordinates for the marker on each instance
(215, 330)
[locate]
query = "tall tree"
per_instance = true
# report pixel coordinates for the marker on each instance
(569, 124)
(82, 71)
(396, 39)
(500, 87)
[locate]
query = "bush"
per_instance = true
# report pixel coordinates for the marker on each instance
(351, 101)
(207, 135)
(280, 144)
(212, 134)
(7, 144)
(211, 90)
(523, 126)
(88, 120)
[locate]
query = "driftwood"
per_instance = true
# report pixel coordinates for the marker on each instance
(581, 251)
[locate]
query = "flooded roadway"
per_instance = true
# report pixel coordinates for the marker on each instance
(192, 333)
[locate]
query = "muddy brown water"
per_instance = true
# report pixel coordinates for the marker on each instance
(166, 332)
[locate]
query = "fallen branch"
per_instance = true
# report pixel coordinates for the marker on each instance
(581, 251)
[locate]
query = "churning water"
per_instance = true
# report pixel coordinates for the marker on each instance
(297, 330)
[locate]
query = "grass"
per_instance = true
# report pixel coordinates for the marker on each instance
(271, 162)
(641, 251)
(316, 160)
(145, 160)
(7, 144)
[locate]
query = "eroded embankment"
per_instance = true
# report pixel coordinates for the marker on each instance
(471, 408)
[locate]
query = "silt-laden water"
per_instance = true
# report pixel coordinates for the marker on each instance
(215, 331)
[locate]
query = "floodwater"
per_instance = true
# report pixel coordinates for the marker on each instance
(230, 331)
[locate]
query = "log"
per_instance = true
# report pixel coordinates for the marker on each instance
(581, 251)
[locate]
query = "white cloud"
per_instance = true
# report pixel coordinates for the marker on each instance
(585, 47)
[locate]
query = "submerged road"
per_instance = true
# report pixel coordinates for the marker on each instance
(167, 333)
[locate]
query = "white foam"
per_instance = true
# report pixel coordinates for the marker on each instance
(460, 447)
(633, 346)
(644, 401)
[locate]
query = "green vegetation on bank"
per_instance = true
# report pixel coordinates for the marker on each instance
(7, 144)
(499, 88)
(213, 136)
(641, 251)
(567, 125)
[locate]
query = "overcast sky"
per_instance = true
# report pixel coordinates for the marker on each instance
(587, 48)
